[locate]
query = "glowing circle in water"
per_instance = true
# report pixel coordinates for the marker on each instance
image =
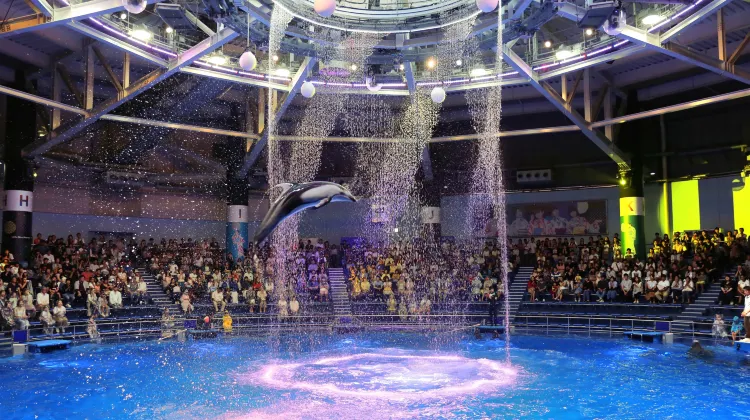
(390, 376)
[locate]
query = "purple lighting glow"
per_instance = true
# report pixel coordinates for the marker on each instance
(389, 376)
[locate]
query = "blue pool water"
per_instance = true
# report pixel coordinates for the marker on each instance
(376, 375)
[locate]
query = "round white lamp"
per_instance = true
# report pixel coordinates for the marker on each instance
(248, 61)
(307, 90)
(324, 8)
(438, 95)
(134, 6)
(487, 5)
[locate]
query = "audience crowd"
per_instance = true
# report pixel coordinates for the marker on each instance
(407, 277)
(410, 276)
(676, 270)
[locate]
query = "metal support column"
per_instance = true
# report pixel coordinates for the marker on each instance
(56, 96)
(587, 105)
(126, 71)
(88, 84)
(722, 34)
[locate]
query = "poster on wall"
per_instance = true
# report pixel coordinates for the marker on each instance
(557, 218)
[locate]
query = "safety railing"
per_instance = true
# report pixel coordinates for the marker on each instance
(79, 331)
(608, 324)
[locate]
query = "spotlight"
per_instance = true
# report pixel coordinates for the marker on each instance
(353, 67)
(459, 62)
(548, 44)
(123, 16)
(589, 32)
(401, 67)
(169, 29)
(563, 54)
(623, 181)
(652, 19)
(431, 63)
(141, 34)
(275, 58)
(35, 174)
(217, 59)
(395, 230)
(282, 72)
(478, 72)
(653, 173)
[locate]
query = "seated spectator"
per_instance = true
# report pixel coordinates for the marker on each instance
(61, 321)
(651, 289)
(687, 290)
(187, 306)
(662, 290)
(42, 299)
(115, 298)
(217, 297)
(626, 288)
(20, 317)
(612, 290)
(637, 290)
(588, 289)
(601, 289)
(726, 293)
(46, 320)
(676, 285)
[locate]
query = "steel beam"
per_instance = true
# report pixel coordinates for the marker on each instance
(607, 122)
(299, 78)
(654, 43)
(62, 15)
(69, 131)
(234, 78)
(548, 92)
(63, 71)
(177, 126)
(110, 74)
(117, 43)
(740, 48)
(40, 100)
(701, 14)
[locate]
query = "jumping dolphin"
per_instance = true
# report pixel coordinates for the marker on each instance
(297, 197)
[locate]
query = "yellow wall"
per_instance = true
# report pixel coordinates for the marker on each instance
(686, 211)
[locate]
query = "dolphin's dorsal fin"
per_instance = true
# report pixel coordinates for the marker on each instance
(285, 186)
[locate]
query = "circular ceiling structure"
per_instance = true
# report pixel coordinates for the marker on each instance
(387, 17)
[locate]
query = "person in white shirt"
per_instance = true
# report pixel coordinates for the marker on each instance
(662, 289)
(115, 298)
(42, 299)
(142, 290)
(61, 321)
(218, 299)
